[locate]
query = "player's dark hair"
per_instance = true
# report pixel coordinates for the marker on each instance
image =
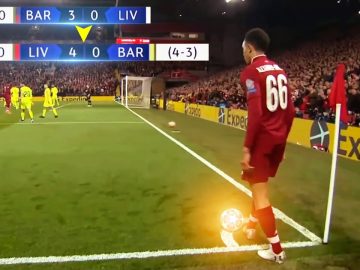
(258, 38)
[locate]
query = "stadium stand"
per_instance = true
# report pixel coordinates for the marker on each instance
(74, 78)
(310, 68)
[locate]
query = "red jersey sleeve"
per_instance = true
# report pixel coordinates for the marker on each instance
(250, 81)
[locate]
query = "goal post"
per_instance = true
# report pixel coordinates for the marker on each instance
(136, 92)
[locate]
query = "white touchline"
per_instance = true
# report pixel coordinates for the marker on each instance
(301, 229)
(144, 254)
(74, 123)
(62, 106)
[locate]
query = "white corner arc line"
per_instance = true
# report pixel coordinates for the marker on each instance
(144, 254)
(228, 239)
(301, 229)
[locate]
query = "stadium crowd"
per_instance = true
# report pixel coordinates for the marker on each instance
(73, 79)
(310, 69)
(152, 69)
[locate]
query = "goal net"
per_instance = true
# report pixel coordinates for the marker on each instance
(136, 92)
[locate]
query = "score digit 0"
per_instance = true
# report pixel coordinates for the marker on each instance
(7, 15)
(6, 52)
(96, 52)
(2, 15)
(94, 15)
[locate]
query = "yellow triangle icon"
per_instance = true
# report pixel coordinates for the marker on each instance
(83, 32)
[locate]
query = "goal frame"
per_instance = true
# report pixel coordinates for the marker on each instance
(124, 85)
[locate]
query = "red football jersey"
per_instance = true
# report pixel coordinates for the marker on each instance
(7, 90)
(270, 108)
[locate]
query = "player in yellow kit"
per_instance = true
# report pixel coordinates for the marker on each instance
(54, 95)
(48, 102)
(26, 101)
(15, 97)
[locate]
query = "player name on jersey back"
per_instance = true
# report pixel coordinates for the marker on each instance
(266, 68)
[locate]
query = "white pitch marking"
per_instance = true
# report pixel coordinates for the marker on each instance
(228, 239)
(144, 255)
(75, 123)
(165, 253)
(62, 106)
(301, 229)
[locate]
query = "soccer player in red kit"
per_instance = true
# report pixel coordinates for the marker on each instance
(7, 97)
(270, 116)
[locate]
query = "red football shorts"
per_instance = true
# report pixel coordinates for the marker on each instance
(265, 158)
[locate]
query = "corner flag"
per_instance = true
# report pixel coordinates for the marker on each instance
(337, 95)
(337, 99)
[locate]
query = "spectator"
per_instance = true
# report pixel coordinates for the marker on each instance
(310, 69)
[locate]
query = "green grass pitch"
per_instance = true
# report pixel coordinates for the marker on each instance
(100, 180)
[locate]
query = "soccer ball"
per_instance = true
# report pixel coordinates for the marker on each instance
(231, 220)
(172, 124)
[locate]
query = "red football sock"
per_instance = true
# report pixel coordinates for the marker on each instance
(267, 221)
(252, 218)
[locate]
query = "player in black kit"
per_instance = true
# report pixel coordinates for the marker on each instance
(88, 97)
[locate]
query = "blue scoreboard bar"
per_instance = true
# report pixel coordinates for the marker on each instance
(75, 15)
(85, 52)
(104, 52)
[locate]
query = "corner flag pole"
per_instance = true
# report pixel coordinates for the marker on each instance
(332, 175)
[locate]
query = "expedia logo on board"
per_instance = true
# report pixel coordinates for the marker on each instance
(319, 135)
(75, 98)
(236, 119)
(349, 146)
(193, 111)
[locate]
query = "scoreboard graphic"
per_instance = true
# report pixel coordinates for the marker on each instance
(83, 15)
(126, 50)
